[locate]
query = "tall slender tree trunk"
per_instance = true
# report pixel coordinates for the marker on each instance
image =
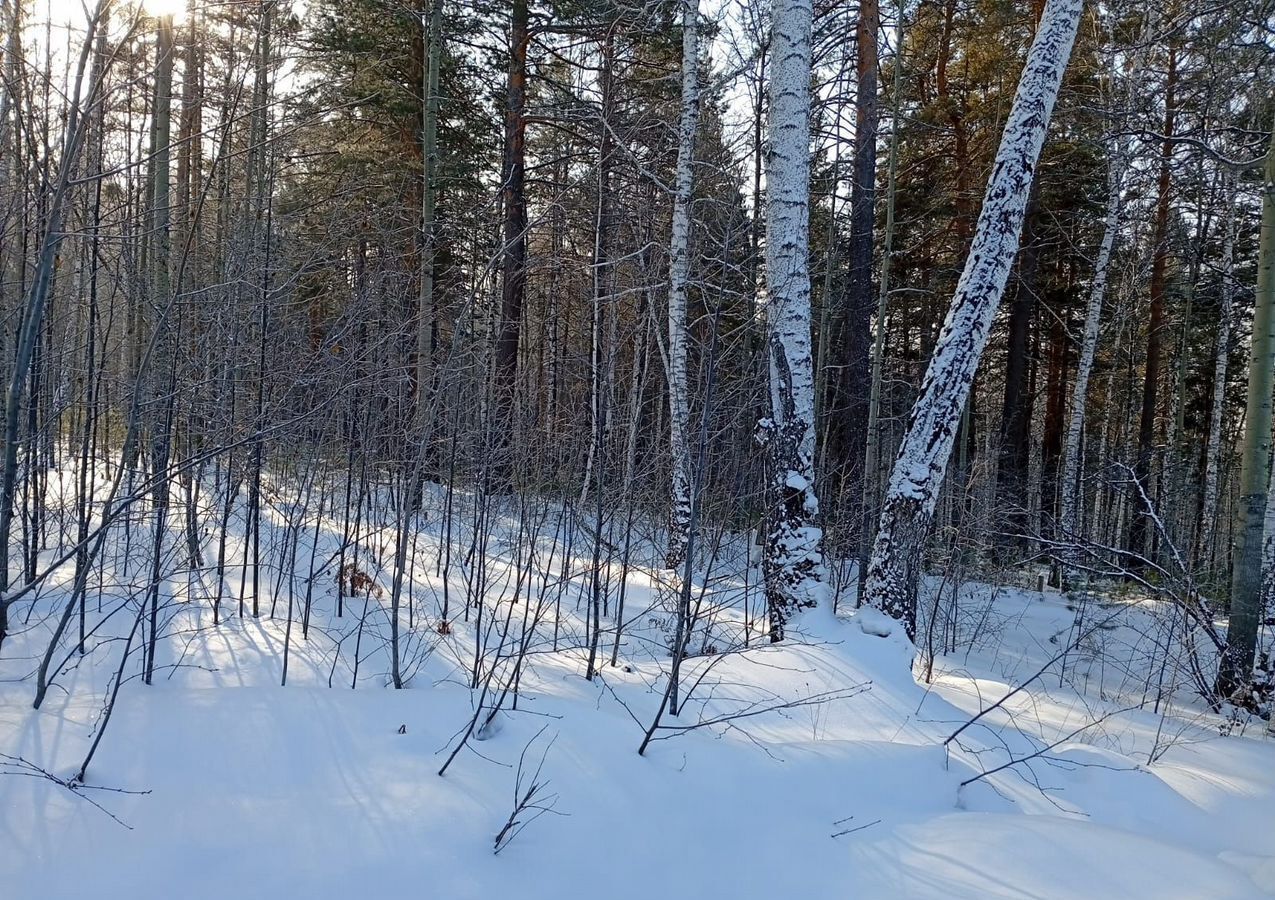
(1052, 434)
(429, 164)
(1141, 529)
(188, 140)
(602, 353)
(1205, 540)
(36, 301)
(163, 359)
(793, 561)
(1235, 673)
(910, 500)
(1016, 407)
(514, 253)
(956, 108)
(856, 373)
(872, 449)
(679, 275)
(1069, 516)
(1015, 471)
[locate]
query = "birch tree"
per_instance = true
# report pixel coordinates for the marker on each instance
(1069, 517)
(1204, 544)
(1117, 161)
(679, 272)
(918, 472)
(793, 558)
(1268, 558)
(872, 448)
(1235, 673)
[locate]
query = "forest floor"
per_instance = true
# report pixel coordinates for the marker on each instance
(816, 768)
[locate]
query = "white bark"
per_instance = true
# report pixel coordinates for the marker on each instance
(1117, 162)
(1213, 452)
(1069, 513)
(1268, 566)
(793, 562)
(679, 275)
(1236, 670)
(927, 447)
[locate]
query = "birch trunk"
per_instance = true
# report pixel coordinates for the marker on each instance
(793, 561)
(1204, 541)
(1069, 515)
(679, 273)
(1235, 672)
(1268, 557)
(927, 447)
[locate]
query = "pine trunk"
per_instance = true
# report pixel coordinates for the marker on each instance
(856, 375)
(514, 251)
(429, 164)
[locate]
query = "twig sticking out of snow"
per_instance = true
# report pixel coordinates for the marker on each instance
(853, 830)
(531, 799)
(16, 765)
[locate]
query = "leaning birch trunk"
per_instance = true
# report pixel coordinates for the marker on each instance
(1235, 673)
(679, 273)
(1204, 542)
(793, 561)
(918, 472)
(1069, 513)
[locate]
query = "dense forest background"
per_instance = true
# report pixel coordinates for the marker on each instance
(258, 257)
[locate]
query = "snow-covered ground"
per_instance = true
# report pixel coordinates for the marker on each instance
(317, 791)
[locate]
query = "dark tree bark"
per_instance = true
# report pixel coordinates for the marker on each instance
(860, 300)
(513, 198)
(1016, 408)
(1055, 407)
(1140, 528)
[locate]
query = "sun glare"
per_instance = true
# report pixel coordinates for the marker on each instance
(174, 8)
(58, 12)
(73, 12)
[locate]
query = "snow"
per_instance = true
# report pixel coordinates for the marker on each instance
(874, 622)
(257, 790)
